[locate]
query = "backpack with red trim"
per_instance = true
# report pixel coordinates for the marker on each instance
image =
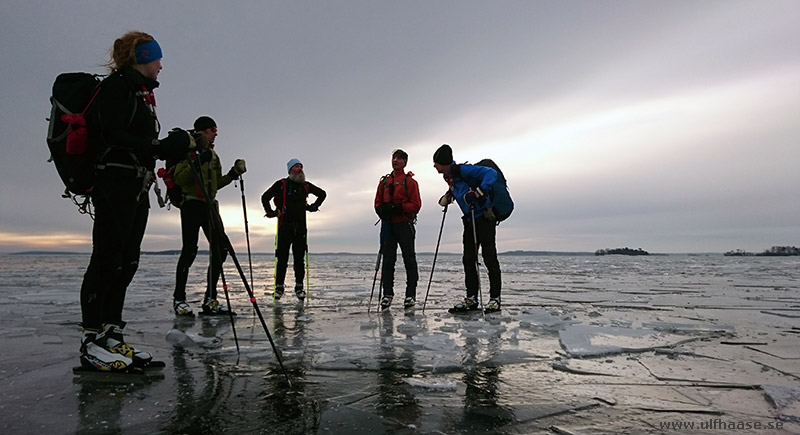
(70, 122)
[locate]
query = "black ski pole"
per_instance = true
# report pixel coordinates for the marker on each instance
(308, 266)
(435, 253)
(246, 229)
(230, 310)
(214, 247)
(477, 259)
(374, 278)
(258, 312)
(229, 246)
(377, 266)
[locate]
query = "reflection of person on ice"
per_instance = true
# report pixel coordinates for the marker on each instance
(397, 203)
(194, 215)
(290, 198)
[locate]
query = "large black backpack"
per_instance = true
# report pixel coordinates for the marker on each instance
(502, 203)
(71, 119)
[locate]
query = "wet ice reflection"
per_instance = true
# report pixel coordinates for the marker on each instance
(583, 344)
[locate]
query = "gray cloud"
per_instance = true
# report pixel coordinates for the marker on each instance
(667, 126)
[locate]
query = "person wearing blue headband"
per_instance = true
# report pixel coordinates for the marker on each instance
(123, 131)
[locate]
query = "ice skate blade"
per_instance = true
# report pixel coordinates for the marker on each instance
(152, 371)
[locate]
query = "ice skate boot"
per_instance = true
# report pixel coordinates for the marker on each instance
(409, 302)
(299, 292)
(278, 292)
(95, 356)
(468, 304)
(115, 343)
(493, 306)
(182, 309)
(386, 301)
(214, 308)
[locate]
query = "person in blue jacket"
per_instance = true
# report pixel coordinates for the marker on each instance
(471, 187)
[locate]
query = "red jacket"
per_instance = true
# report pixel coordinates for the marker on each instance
(400, 188)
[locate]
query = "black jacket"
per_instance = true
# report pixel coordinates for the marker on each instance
(127, 121)
(293, 208)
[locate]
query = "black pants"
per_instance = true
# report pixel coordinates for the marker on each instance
(290, 235)
(402, 234)
(486, 232)
(121, 209)
(194, 215)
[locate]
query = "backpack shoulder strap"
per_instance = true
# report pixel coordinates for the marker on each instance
(385, 180)
(456, 169)
(285, 187)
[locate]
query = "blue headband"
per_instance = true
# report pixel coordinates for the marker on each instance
(147, 52)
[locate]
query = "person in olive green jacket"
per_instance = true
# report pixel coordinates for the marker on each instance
(195, 215)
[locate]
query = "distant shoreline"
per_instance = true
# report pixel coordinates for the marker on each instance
(506, 253)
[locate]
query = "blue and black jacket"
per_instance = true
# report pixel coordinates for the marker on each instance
(466, 177)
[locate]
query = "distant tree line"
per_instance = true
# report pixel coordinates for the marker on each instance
(621, 251)
(775, 251)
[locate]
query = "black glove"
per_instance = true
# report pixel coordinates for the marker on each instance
(312, 207)
(239, 166)
(384, 210)
(237, 169)
(271, 213)
(474, 197)
(387, 209)
(177, 143)
(233, 174)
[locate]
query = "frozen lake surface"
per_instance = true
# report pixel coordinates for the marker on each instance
(613, 344)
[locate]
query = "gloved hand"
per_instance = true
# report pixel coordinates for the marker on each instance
(237, 169)
(474, 197)
(387, 209)
(380, 210)
(312, 207)
(272, 213)
(446, 199)
(178, 142)
(239, 166)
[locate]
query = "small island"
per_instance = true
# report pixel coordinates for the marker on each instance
(775, 251)
(621, 251)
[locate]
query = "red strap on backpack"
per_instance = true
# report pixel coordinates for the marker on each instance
(78, 135)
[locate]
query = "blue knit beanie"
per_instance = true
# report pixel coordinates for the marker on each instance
(292, 163)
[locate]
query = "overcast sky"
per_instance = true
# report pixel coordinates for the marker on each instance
(671, 126)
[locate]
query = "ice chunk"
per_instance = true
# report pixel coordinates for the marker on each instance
(584, 340)
(439, 384)
(179, 338)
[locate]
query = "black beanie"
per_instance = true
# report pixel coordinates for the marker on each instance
(403, 155)
(444, 155)
(204, 122)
